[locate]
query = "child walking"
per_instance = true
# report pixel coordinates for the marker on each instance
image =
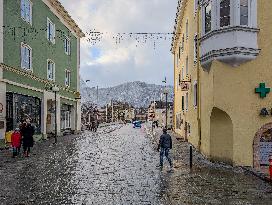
(16, 138)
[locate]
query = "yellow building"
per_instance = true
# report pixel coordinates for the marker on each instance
(222, 102)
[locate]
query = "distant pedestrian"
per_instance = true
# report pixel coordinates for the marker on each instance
(165, 144)
(16, 142)
(27, 134)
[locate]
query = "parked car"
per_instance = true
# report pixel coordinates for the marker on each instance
(137, 124)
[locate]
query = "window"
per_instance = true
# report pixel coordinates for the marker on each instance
(26, 57)
(224, 13)
(208, 18)
(186, 101)
(182, 72)
(50, 70)
(182, 103)
(67, 46)
(179, 78)
(195, 94)
(187, 29)
(177, 59)
(179, 51)
(182, 43)
(67, 78)
(244, 12)
(187, 66)
(26, 11)
(195, 48)
(50, 31)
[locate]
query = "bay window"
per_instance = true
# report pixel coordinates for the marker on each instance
(230, 31)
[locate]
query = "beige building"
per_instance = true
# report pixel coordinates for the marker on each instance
(222, 79)
(157, 112)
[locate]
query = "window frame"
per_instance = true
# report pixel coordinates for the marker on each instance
(187, 66)
(67, 79)
(195, 48)
(187, 29)
(24, 45)
(230, 13)
(195, 91)
(67, 49)
(248, 13)
(209, 3)
(186, 101)
(54, 70)
(53, 40)
(23, 11)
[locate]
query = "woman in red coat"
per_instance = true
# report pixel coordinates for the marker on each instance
(16, 141)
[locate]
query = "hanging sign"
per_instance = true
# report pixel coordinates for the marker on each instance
(184, 86)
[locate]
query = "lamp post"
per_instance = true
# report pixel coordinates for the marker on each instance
(166, 106)
(166, 96)
(55, 89)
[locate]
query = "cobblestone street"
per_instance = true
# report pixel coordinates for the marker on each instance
(119, 165)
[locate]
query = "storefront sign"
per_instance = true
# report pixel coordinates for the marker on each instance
(265, 152)
(184, 86)
(262, 90)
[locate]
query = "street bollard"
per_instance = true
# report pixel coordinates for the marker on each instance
(191, 156)
(270, 167)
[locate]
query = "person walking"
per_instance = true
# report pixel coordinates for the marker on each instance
(16, 142)
(27, 133)
(165, 144)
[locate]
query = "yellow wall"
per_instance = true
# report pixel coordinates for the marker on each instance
(230, 89)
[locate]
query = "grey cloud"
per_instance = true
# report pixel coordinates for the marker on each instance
(125, 62)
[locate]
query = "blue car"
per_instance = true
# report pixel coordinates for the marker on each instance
(137, 124)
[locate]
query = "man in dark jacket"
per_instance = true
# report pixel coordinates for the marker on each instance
(27, 132)
(164, 146)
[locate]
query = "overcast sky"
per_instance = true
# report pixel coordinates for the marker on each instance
(107, 63)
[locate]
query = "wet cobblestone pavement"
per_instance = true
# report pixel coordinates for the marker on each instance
(119, 165)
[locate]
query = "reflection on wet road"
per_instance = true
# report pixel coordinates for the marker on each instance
(120, 167)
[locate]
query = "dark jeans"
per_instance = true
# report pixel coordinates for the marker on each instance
(165, 151)
(27, 149)
(15, 151)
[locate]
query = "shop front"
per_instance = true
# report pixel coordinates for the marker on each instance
(21, 107)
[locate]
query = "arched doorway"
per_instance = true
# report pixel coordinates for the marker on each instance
(221, 138)
(262, 148)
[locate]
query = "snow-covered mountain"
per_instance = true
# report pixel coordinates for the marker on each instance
(138, 94)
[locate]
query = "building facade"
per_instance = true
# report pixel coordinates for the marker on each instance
(157, 112)
(222, 79)
(39, 51)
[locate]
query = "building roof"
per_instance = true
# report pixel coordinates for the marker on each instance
(177, 26)
(66, 17)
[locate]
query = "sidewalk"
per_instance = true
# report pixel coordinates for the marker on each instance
(181, 156)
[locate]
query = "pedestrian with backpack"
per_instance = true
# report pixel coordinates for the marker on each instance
(165, 144)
